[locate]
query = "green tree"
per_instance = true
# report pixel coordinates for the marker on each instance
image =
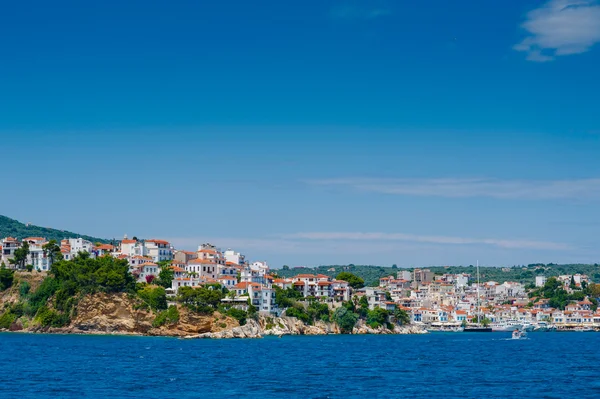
(202, 300)
(169, 316)
(401, 316)
(20, 256)
(286, 298)
(363, 306)
(345, 319)
(6, 278)
(52, 251)
(166, 275)
(353, 280)
(377, 317)
(155, 298)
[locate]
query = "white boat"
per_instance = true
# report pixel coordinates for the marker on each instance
(527, 326)
(583, 329)
(444, 327)
(518, 334)
(506, 325)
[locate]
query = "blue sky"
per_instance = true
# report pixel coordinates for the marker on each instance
(366, 132)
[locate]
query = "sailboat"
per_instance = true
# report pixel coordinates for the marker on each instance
(478, 327)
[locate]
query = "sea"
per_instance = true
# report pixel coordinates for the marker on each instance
(444, 365)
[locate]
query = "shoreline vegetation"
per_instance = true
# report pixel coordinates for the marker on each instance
(99, 296)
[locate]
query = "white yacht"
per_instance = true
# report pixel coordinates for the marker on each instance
(506, 325)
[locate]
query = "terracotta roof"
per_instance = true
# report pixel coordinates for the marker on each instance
(148, 264)
(201, 261)
(158, 241)
(128, 241)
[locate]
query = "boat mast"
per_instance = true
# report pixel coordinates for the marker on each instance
(478, 304)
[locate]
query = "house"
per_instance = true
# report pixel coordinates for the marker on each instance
(184, 256)
(137, 260)
(262, 297)
(460, 315)
(37, 256)
(234, 257)
(78, 245)
(9, 246)
(283, 283)
(227, 281)
(540, 281)
(143, 271)
(158, 250)
(205, 268)
(341, 290)
(185, 282)
(104, 249)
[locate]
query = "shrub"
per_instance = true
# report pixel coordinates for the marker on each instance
(51, 318)
(155, 298)
(7, 319)
(377, 317)
(6, 278)
(169, 316)
(238, 314)
(345, 319)
(24, 289)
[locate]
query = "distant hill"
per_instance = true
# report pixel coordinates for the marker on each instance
(13, 228)
(522, 274)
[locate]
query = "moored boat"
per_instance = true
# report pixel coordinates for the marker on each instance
(505, 326)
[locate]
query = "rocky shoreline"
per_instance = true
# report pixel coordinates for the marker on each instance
(281, 326)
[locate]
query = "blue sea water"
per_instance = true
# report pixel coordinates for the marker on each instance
(547, 365)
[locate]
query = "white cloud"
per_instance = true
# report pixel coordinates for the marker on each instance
(561, 27)
(446, 240)
(473, 187)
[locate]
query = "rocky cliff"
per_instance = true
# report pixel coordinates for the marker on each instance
(103, 313)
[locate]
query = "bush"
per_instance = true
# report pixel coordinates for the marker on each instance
(40, 297)
(51, 318)
(201, 300)
(7, 319)
(238, 314)
(299, 313)
(345, 319)
(6, 278)
(353, 280)
(24, 289)
(154, 298)
(169, 316)
(377, 317)
(318, 311)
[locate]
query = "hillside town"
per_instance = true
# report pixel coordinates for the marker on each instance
(439, 302)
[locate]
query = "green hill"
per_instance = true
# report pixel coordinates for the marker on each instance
(13, 228)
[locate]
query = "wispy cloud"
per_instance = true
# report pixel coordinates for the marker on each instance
(445, 240)
(561, 27)
(354, 12)
(473, 187)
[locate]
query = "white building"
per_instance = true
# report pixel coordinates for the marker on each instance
(262, 297)
(9, 246)
(158, 250)
(540, 281)
(36, 257)
(234, 257)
